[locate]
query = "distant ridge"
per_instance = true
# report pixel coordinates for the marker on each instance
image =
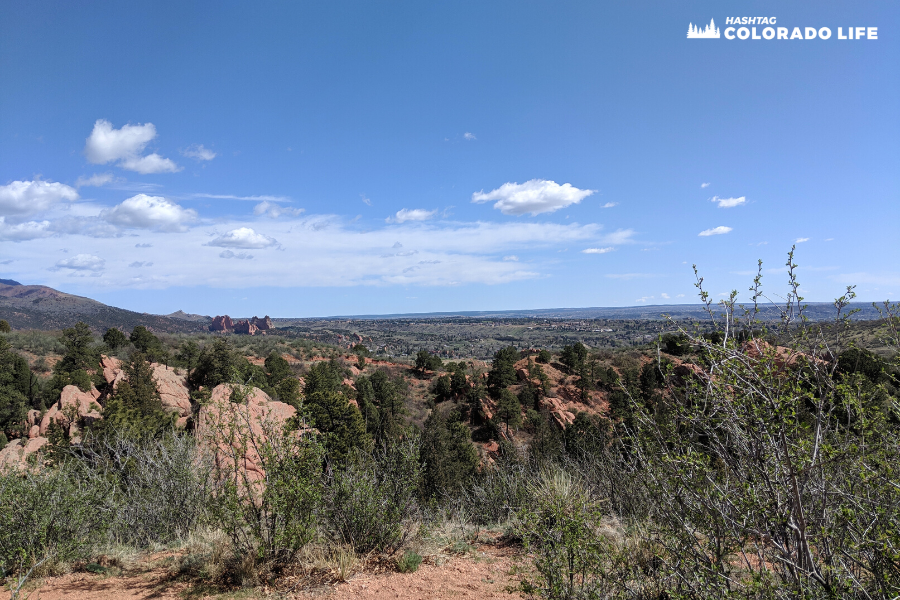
(180, 314)
(816, 311)
(42, 307)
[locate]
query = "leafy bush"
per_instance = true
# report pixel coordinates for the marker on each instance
(268, 512)
(372, 500)
(162, 485)
(53, 515)
(409, 562)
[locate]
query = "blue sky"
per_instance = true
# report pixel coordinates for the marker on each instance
(306, 159)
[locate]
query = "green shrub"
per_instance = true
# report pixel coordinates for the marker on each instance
(409, 562)
(270, 519)
(372, 500)
(54, 515)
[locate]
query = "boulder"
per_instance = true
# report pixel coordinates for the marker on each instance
(522, 374)
(112, 370)
(233, 431)
(73, 405)
(34, 417)
(15, 454)
(173, 390)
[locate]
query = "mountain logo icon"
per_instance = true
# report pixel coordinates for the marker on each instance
(711, 31)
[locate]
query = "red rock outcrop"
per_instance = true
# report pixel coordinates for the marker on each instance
(172, 387)
(15, 454)
(263, 324)
(221, 323)
(73, 405)
(245, 327)
(233, 431)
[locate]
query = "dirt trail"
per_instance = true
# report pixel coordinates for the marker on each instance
(484, 573)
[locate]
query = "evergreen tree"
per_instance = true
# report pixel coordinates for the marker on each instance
(449, 456)
(135, 408)
(503, 370)
(381, 400)
(15, 382)
(509, 411)
(114, 338)
(340, 424)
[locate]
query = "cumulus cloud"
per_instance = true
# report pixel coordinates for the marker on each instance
(469, 136)
(705, 185)
(801, 240)
(150, 212)
(728, 202)
(95, 180)
(20, 232)
(270, 209)
(238, 255)
(610, 205)
(535, 196)
(82, 262)
(22, 198)
(107, 144)
(721, 229)
(198, 152)
(414, 214)
(245, 238)
(597, 250)
(511, 257)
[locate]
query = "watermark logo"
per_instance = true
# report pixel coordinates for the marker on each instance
(711, 30)
(769, 30)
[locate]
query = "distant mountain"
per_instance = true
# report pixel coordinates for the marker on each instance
(180, 314)
(42, 307)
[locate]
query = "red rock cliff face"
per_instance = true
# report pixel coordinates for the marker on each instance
(263, 324)
(245, 327)
(222, 323)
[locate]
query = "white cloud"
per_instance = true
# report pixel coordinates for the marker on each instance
(413, 214)
(801, 240)
(610, 205)
(729, 202)
(82, 262)
(95, 180)
(597, 250)
(665, 296)
(22, 198)
(535, 196)
(239, 255)
(705, 185)
(270, 209)
(150, 212)
(714, 231)
(107, 144)
(243, 237)
(511, 258)
(365, 200)
(143, 245)
(138, 264)
(29, 230)
(619, 236)
(261, 198)
(469, 136)
(198, 152)
(152, 163)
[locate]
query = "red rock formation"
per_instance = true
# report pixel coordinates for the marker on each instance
(15, 454)
(263, 324)
(234, 430)
(222, 323)
(245, 327)
(73, 405)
